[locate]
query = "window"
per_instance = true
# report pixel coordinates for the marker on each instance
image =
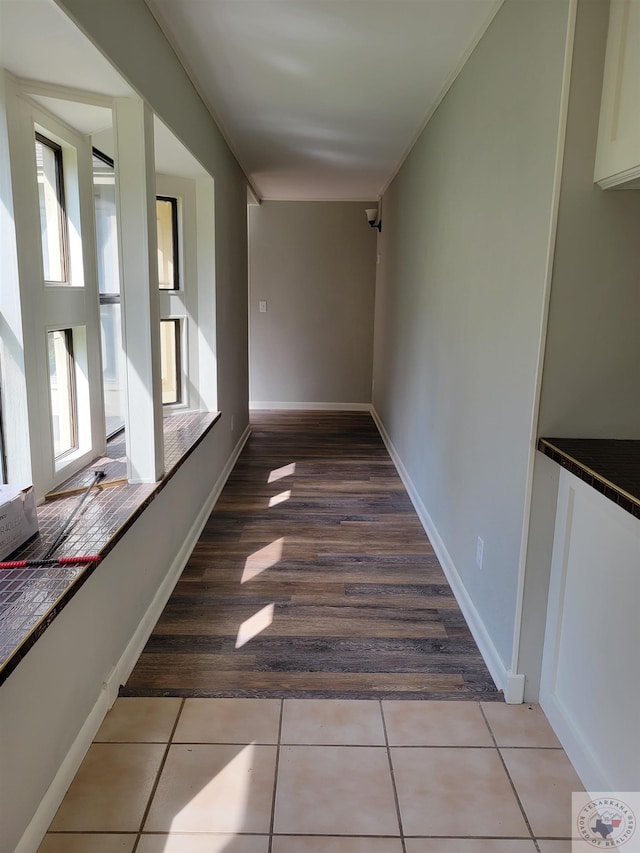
(53, 229)
(3, 458)
(170, 361)
(63, 392)
(65, 400)
(104, 195)
(173, 312)
(67, 277)
(168, 262)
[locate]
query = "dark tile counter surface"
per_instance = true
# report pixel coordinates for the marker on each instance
(32, 597)
(611, 466)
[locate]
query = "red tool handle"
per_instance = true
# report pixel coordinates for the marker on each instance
(22, 564)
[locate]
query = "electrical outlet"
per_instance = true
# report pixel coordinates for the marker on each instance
(479, 552)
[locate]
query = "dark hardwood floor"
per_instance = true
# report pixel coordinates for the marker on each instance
(313, 577)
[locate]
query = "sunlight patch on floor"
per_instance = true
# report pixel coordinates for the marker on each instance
(279, 499)
(227, 794)
(262, 560)
(279, 473)
(255, 625)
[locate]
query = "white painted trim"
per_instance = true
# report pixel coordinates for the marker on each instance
(580, 753)
(369, 200)
(542, 332)
(252, 198)
(39, 824)
(451, 79)
(514, 690)
(249, 297)
(583, 751)
(18, 425)
(182, 304)
(259, 405)
(50, 803)
(63, 93)
(50, 306)
(496, 667)
(139, 290)
(206, 286)
(626, 180)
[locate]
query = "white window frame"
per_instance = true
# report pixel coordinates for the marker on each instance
(47, 306)
(32, 307)
(182, 304)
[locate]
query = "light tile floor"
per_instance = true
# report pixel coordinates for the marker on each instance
(318, 776)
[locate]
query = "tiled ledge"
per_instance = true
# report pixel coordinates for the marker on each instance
(31, 598)
(610, 466)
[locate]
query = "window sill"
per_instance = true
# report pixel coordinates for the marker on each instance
(31, 598)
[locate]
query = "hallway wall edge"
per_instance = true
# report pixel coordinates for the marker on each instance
(504, 680)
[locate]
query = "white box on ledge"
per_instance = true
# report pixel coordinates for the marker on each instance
(18, 518)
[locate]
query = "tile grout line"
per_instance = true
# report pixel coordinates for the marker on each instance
(158, 775)
(393, 778)
(405, 746)
(511, 782)
(275, 777)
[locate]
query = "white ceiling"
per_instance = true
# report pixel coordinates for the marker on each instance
(322, 99)
(319, 99)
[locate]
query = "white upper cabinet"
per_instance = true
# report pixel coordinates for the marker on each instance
(618, 154)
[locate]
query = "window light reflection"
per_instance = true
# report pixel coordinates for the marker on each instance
(255, 625)
(225, 796)
(262, 560)
(279, 499)
(279, 473)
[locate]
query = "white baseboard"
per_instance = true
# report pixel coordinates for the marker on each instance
(35, 832)
(579, 751)
(39, 824)
(502, 678)
(514, 690)
(260, 405)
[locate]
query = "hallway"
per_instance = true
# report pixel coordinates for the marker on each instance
(315, 605)
(313, 577)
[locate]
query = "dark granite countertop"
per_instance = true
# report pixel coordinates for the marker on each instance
(611, 466)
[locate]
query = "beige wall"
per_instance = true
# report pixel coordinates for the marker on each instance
(591, 371)
(461, 299)
(314, 264)
(591, 379)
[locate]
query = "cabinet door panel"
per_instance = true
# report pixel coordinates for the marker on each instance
(590, 687)
(618, 153)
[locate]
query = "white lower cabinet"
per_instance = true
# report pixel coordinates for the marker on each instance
(590, 688)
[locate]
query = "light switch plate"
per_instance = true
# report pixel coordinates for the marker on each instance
(262, 305)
